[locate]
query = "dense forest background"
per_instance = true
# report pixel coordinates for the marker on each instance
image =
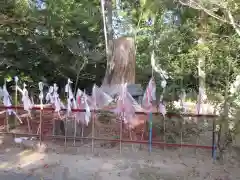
(196, 42)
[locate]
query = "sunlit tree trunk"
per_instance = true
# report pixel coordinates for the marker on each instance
(201, 62)
(120, 54)
(121, 66)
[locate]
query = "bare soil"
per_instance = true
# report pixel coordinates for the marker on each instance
(79, 163)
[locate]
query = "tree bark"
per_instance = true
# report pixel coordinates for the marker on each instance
(121, 66)
(120, 54)
(201, 62)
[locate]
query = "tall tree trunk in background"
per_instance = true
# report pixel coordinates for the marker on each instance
(109, 17)
(201, 60)
(120, 56)
(122, 64)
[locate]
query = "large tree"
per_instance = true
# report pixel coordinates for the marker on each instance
(120, 50)
(51, 39)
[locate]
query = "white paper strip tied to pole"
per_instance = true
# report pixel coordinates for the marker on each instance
(70, 97)
(79, 115)
(87, 114)
(162, 108)
(40, 86)
(16, 91)
(149, 95)
(121, 100)
(27, 104)
(100, 98)
(6, 99)
(82, 103)
(199, 100)
(88, 111)
(125, 104)
(182, 101)
(49, 97)
(56, 99)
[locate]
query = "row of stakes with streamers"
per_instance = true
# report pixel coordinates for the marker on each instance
(83, 107)
(52, 98)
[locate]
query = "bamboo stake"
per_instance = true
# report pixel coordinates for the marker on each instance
(82, 132)
(93, 129)
(164, 131)
(40, 84)
(130, 135)
(53, 129)
(65, 135)
(150, 133)
(7, 122)
(75, 131)
(41, 125)
(29, 129)
(68, 113)
(16, 99)
(121, 124)
(181, 140)
(143, 131)
(213, 140)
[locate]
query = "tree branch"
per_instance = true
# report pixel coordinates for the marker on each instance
(78, 73)
(233, 22)
(198, 6)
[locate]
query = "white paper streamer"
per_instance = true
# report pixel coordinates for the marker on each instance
(40, 86)
(56, 100)
(27, 104)
(49, 97)
(82, 104)
(162, 108)
(6, 99)
(149, 95)
(100, 99)
(71, 103)
(182, 101)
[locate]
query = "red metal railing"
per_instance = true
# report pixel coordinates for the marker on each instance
(162, 144)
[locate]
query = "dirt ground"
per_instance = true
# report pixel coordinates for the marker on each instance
(79, 163)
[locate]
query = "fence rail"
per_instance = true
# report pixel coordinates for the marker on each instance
(50, 109)
(118, 140)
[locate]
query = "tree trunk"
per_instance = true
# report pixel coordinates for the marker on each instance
(121, 66)
(201, 63)
(120, 54)
(108, 6)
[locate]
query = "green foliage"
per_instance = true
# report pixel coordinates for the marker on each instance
(43, 43)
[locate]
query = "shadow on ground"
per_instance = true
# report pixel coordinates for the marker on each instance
(79, 163)
(19, 176)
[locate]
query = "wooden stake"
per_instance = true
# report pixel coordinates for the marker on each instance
(40, 126)
(7, 121)
(164, 132)
(143, 131)
(93, 124)
(54, 128)
(182, 129)
(82, 132)
(29, 128)
(16, 96)
(75, 132)
(150, 133)
(65, 135)
(121, 124)
(130, 134)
